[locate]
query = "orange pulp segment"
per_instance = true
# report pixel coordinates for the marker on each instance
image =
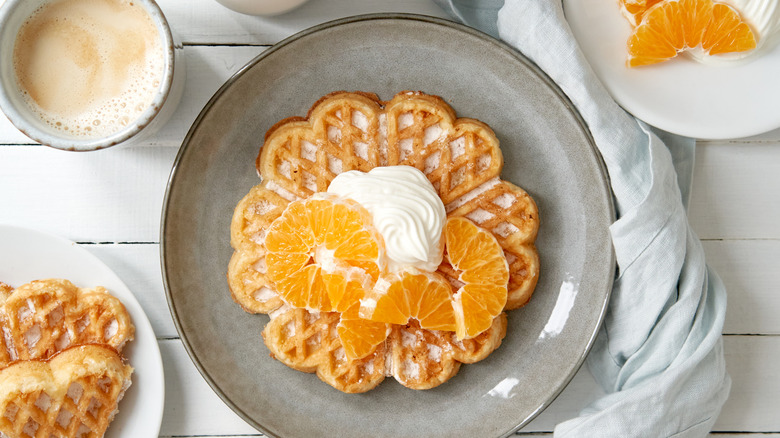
(484, 272)
(673, 26)
(320, 250)
(359, 336)
(634, 10)
(425, 296)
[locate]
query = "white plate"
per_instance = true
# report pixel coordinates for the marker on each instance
(27, 255)
(681, 96)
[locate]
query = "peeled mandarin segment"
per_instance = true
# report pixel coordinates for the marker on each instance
(305, 259)
(673, 26)
(484, 271)
(359, 336)
(426, 297)
(434, 309)
(281, 265)
(389, 303)
(634, 10)
(728, 34)
(360, 246)
(341, 292)
(305, 288)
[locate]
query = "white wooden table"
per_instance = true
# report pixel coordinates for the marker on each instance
(110, 202)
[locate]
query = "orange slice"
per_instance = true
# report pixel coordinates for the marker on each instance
(634, 10)
(320, 250)
(673, 26)
(425, 296)
(484, 272)
(359, 336)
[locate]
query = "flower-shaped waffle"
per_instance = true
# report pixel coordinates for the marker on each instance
(43, 317)
(356, 131)
(72, 394)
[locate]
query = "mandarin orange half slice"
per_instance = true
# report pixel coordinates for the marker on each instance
(483, 270)
(673, 26)
(398, 297)
(322, 251)
(634, 10)
(359, 336)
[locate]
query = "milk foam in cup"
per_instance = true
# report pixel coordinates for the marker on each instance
(87, 74)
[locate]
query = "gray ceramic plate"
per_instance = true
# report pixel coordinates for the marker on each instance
(547, 150)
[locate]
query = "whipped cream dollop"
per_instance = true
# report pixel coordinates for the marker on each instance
(763, 17)
(406, 210)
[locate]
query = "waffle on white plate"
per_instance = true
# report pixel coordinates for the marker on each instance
(61, 369)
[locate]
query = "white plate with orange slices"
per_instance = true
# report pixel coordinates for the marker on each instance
(545, 149)
(716, 99)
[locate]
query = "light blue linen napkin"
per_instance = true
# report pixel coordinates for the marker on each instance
(659, 354)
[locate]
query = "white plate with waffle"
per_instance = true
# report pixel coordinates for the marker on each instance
(27, 255)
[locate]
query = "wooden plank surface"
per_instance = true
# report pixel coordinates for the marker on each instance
(192, 408)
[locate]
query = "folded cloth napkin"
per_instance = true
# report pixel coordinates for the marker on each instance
(659, 354)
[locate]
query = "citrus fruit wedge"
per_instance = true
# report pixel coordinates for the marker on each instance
(321, 251)
(673, 26)
(483, 271)
(634, 10)
(359, 336)
(398, 297)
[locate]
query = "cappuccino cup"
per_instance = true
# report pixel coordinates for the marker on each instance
(88, 74)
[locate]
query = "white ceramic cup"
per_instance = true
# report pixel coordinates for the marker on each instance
(262, 7)
(14, 13)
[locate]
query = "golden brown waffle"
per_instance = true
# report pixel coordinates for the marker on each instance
(309, 342)
(73, 394)
(42, 317)
(356, 131)
(415, 357)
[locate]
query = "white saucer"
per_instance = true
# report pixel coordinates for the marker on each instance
(681, 96)
(27, 255)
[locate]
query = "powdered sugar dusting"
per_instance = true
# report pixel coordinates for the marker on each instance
(432, 162)
(284, 169)
(334, 134)
(383, 139)
(412, 369)
(457, 147)
(264, 294)
(483, 162)
(408, 339)
(360, 121)
(457, 177)
(432, 133)
(505, 229)
(361, 149)
(510, 258)
(289, 328)
(434, 352)
(309, 181)
(335, 164)
(479, 216)
(308, 151)
(405, 120)
(406, 146)
(482, 188)
(259, 236)
(281, 191)
(505, 200)
(262, 207)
